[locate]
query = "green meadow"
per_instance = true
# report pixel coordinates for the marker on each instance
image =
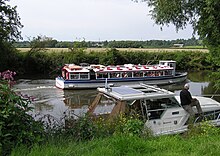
(206, 145)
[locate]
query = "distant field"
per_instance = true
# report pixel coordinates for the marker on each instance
(125, 49)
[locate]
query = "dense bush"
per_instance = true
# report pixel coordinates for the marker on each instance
(16, 125)
(90, 127)
(51, 62)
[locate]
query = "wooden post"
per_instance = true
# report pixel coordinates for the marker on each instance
(118, 108)
(94, 104)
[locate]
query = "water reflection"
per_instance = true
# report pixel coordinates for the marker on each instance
(78, 98)
(50, 100)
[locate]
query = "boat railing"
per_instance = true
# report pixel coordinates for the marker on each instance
(207, 117)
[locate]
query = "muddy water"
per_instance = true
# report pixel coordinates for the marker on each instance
(50, 100)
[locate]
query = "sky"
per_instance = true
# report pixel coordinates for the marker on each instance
(92, 20)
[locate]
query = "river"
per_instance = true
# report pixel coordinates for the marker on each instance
(53, 101)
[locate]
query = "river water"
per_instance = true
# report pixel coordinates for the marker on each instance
(53, 101)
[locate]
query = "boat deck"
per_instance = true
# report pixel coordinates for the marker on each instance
(141, 91)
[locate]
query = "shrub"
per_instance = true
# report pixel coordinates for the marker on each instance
(204, 128)
(16, 125)
(87, 127)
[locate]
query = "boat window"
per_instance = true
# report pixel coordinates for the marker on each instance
(168, 72)
(170, 64)
(162, 103)
(74, 76)
(158, 73)
(127, 74)
(172, 102)
(155, 108)
(115, 75)
(138, 74)
(102, 75)
(84, 76)
(79, 76)
(150, 73)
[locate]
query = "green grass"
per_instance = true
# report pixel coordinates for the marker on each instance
(128, 145)
(195, 47)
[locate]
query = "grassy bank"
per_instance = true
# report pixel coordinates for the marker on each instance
(127, 137)
(128, 145)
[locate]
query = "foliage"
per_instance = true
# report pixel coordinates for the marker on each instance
(204, 128)
(216, 78)
(9, 32)
(203, 15)
(90, 127)
(51, 62)
(113, 56)
(133, 127)
(9, 23)
(39, 44)
(53, 43)
(80, 129)
(8, 57)
(130, 126)
(208, 25)
(16, 125)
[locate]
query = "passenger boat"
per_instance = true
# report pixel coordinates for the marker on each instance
(94, 76)
(159, 108)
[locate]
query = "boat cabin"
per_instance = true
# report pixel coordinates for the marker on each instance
(75, 72)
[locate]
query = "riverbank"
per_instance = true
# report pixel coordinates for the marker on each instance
(206, 144)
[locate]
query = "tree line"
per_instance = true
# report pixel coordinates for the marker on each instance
(53, 43)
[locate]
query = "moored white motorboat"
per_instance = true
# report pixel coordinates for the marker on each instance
(159, 108)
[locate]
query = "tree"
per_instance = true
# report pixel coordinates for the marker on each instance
(9, 32)
(40, 43)
(203, 15)
(9, 23)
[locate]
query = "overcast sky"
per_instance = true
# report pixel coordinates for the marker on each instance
(92, 20)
